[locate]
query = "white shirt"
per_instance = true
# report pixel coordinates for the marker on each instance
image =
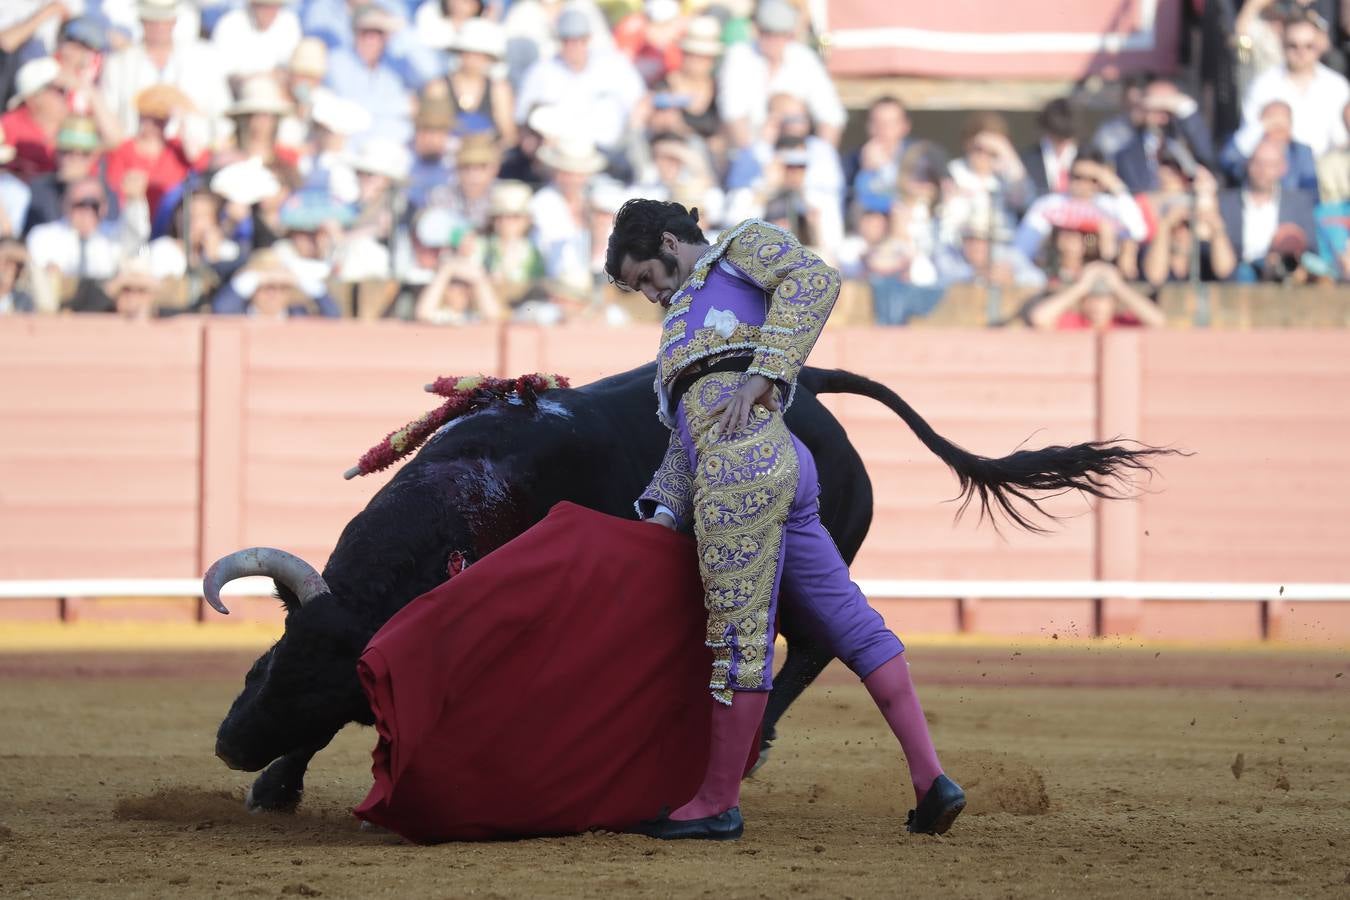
(1259, 222)
(529, 34)
(193, 68)
(1057, 165)
(745, 85)
(15, 196)
(57, 244)
(599, 98)
(1318, 108)
(246, 51)
(564, 243)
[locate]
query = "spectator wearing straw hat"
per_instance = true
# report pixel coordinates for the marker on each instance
(560, 209)
(432, 176)
(147, 165)
(365, 74)
(257, 38)
(603, 90)
(476, 88)
(79, 154)
(477, 164)
(15, 195)
(162, 58)
(13, 261)
(776, 63)
(266, 288)
(694, 79)
(510, 256)
(257, 118)
(34, 117)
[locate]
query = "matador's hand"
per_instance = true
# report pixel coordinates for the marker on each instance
(735, 410)
(662, 519)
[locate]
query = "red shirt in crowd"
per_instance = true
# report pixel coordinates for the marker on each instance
(35, 150)
(1073, 320)
(164, 172)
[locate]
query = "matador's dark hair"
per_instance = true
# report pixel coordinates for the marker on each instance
(638, 227)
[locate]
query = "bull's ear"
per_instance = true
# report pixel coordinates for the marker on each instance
(287, 597)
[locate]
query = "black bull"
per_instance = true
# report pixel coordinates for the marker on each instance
(491, 475)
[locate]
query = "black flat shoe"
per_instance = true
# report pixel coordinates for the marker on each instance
(938, 809)
(727, 826)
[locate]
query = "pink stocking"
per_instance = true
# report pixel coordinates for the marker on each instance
(733, 728)
(891, 688)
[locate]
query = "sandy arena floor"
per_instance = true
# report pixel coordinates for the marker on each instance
(1093, 769)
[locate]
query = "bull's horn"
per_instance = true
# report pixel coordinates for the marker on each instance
(286, 568)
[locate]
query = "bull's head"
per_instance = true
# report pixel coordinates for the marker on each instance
(305, 688)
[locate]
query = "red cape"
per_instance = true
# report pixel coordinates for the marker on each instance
(557, 685)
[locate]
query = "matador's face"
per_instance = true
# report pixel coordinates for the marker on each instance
(657, 279)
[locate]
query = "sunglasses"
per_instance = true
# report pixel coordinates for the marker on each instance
(87, 203)
(1296, 46)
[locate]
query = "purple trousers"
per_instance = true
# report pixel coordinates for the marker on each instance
(756, 501)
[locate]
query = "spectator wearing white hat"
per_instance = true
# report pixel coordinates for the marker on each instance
(477, 89)
(775, 63)
(35, 114)
(325, 164)
(461, 290)
(601, 89)
(382, 166)
(366, 75)
(258, 37)
(257, 116)
(561, 208)
(266, 288)
(531, 32)
(161, 57)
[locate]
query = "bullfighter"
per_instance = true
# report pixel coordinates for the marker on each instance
(741, 318)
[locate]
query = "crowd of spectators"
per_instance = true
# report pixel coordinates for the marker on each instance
(470, 156)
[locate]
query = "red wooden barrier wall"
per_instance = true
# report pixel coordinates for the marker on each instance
(148, 451)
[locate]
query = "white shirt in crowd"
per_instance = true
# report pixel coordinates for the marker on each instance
(245, 50)
(1259, 223)
(15, 197)
(1319, 108)
(194, 68)
(529, 31)
(57, 244)
(599, 98)
(745, 85)
(1057, 164)
(564, 243)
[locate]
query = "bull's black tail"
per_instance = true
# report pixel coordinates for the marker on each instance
(1100, 468)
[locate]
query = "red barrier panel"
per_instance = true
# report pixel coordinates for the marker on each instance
(149, 450)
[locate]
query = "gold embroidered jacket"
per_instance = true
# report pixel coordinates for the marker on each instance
(800, 291)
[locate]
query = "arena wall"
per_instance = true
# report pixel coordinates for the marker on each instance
(149, 450)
